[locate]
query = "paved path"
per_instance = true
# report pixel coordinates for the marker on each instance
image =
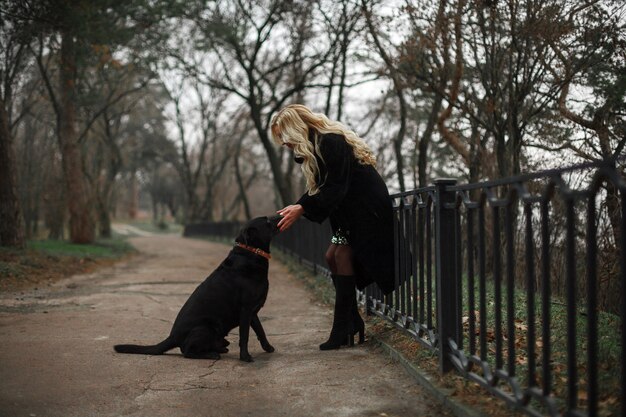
(129, 230)
(56, 356)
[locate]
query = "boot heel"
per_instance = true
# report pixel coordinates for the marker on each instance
(361, 336)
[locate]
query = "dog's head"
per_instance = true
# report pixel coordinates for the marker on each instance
(259, 232)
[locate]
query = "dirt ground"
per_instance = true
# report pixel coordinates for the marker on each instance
(56, 355)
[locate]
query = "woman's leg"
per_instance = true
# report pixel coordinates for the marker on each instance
(343, 260)
(344, 266)
(339, 259)
(330, 258)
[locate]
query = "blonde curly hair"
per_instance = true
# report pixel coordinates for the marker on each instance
(291, 126)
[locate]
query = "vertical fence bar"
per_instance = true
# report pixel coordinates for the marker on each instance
(401, 256)
(545, 298)
(482, 285)
(458, 278)
(396, 239)
(369, 302)
(570, 278)
(592, 310)
(445, 258)
(510, 283)
(406, 259)
(530, 293)
(622, 277)
(497, 278)
(421, 238)
(413, 236)
(470, 281)
(429, 266)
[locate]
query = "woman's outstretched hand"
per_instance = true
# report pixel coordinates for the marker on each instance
(290, 215)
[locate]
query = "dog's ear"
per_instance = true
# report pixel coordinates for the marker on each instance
(250, 234)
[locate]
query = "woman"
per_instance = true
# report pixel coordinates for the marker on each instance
(343, 185)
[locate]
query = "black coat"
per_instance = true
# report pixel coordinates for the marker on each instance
(356, 199)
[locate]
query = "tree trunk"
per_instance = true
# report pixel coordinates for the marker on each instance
(501, 155)
(284, 190)
(11, 220)
(104, 219)
(342, 79)
(613, 208)
(105, 182)
(81, 222)
(424, 142)
(133, 197)
(54, 201)
(242, 188)
(103, 193)
(30, 179)
(331, 80)
(155, 208)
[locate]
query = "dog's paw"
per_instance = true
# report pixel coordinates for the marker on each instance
(268, 348)
(245, 357)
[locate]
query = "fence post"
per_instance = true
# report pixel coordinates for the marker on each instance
(445, 261)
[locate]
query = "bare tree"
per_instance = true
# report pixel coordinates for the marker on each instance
(345, 25)
(591, 53)
(13, 44)
(163, 185)
(64, 100)
(202, 157)
(11, 220)
(398, 88)
(422, 72)
(599, 65)
(112, 91)
(69, 34)
(247, 39)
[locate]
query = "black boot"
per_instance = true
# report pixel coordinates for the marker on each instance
(358, 326)
(342, 331)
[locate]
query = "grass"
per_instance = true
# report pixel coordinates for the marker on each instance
(43, 262)
(608, 344)
(102, 248)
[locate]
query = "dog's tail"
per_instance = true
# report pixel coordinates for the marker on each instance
(157, 349)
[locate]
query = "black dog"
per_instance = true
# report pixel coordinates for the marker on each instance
(231, 296)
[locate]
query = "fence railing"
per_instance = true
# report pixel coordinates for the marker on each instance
(517, 284)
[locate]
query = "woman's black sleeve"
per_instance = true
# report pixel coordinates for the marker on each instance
(337, 158)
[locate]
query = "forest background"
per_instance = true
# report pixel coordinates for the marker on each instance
(112, 107)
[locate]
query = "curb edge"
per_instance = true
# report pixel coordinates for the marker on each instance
(458, 409)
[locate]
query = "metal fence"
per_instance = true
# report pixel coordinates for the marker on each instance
(517, 284)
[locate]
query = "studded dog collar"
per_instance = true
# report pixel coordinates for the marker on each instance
(257, 251)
